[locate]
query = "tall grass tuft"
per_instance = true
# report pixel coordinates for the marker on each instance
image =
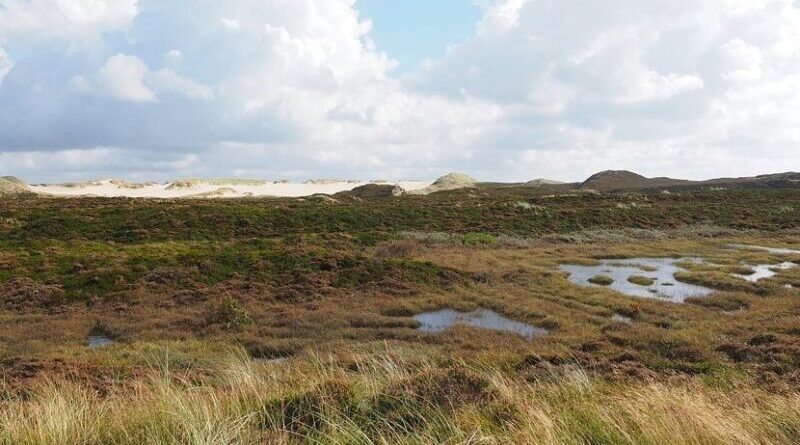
(386, 399)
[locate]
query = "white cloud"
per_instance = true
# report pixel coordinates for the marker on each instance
(126, 77)
(544, 88)
(500, 14)
(59, 19)
(5, 64)
(166, 80)
(624, 77)
(744, 61)
(122, 77)
(231, 24)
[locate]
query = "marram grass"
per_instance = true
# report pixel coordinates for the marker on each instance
(387, 399)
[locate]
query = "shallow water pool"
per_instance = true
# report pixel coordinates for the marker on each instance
(775, 250)
(621, 318)
(662, 270)
(98, 341)
(437, 321)
(763, 271)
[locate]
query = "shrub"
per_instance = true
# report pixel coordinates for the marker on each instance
(229, 313)
(478, 238)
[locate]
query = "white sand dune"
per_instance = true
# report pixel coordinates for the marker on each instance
(210, 188)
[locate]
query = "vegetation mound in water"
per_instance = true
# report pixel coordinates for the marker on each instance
(602, 280)
(641, 280)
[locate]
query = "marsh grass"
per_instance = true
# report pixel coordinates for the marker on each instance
(180, 284)
(388, 398)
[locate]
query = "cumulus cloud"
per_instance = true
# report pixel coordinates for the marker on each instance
(661, 87)
(127, 77)
(63, 19)
(273, 88)
(122, 77)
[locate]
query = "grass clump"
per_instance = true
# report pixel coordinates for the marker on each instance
(478, 239)
(601, 280)
(383, 398)
(641, 280)
(229, 313)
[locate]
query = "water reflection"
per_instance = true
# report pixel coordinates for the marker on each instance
(440, 320)
(763, 271)
(98, 341)
(775, 250)
(660, 270)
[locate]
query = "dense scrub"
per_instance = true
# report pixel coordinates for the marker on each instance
(510, 211)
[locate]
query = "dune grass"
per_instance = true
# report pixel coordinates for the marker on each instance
(387, 398)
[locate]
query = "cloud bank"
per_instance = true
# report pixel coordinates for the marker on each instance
(272, 88)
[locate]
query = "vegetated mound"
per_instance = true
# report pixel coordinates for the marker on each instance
(23, 292)
(10, 185)
(541, 182)
(611, 180)
(622, 180)
(452, 181)
(329, 181)
(124, 184)
(183, 184)
(777, 180)
(189, 183)
(80, 185)
(375, 191)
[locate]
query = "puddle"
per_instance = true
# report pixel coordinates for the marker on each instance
(765, 271)
(621, 318)
(438, 321)
(775, 250)
(661, 270)
(98, 341)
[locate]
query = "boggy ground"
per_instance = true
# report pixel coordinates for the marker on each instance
(332, 283)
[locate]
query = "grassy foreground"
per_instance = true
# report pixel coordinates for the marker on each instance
(389, 398)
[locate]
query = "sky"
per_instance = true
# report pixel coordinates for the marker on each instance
(504, 90)
(411, 31)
